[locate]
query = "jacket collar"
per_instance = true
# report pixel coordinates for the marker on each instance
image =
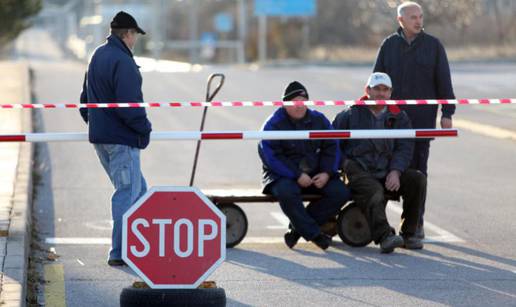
(401, 35)
(116, 41)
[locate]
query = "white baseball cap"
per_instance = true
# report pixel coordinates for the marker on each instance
(378, 78)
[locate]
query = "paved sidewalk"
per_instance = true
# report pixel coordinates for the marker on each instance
(15, 185)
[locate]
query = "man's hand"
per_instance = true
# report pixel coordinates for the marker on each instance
(392, 182)
(320, 180)
(446, 123)
(304, 180)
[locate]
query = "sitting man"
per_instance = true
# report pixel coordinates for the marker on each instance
(374, 166)
(294, 167)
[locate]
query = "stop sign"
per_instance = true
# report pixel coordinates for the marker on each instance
(174, 237)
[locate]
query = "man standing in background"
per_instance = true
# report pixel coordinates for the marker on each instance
(418, 66)
(117, 134)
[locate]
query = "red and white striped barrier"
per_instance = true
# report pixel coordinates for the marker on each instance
(246, 135)
(257, 103)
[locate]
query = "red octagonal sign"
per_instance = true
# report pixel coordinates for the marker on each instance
(174, 237)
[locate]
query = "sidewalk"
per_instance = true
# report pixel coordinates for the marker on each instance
(15, 186)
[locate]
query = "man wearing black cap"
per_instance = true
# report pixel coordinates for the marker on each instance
(293, 167)
(117, 134)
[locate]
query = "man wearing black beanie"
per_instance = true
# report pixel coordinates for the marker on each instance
(294, 167)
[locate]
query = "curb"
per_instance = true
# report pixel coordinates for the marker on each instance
(14, 277)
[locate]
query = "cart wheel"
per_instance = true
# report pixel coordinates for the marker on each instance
(236, 223)
(353, 227)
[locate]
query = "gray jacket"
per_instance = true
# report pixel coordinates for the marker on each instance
(376, 156)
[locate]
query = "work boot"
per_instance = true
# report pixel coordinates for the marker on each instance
(322, 241)
(291, 237)
(412, 242)
(420, 232)
(390, 242)
(116, 262)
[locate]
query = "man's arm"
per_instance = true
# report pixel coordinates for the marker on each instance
(272, 155)
(128, 89)
(341, 122)
(84, 99)
(444, 85)
(330, 152)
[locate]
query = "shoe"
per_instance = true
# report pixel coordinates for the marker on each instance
(412, 242)
(420, 232)
(116, 262)
(390, 242)
(322, 241)
(291, 237)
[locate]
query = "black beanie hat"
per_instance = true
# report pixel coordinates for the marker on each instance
(293, 90)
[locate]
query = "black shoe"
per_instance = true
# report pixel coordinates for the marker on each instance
(412, 242)
(291, 237)
(420, 232)
(116, 262)
(390, 242)
(322, 241)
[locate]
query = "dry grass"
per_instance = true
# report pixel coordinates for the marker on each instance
(368, 55)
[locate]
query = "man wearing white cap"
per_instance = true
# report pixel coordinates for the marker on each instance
(376, 167)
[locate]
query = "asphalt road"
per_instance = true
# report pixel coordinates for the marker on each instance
(469, 258)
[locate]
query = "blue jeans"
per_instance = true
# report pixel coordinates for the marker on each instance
(122, 164)
(306, 221)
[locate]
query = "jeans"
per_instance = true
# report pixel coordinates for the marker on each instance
(369, 194)
(306, 221)
(122, 164)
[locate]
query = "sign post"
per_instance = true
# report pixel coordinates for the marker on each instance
(174, 237)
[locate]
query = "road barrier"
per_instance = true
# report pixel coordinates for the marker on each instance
(258, 103)
(246, 135)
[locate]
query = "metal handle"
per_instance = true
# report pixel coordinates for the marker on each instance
(209, 98)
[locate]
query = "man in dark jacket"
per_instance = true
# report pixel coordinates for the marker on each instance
(118, 134)
(293, 167)
(418, 66)
(374, 166)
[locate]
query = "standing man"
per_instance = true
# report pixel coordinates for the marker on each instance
(418, 66)
(376, 167)
(293, 167)
(117, 134)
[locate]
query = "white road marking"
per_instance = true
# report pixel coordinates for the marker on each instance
(442, 235)
(80, 262)
(79, 241)
(282, 220)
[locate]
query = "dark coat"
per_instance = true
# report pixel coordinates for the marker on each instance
(291, 158)
(114, 77)
(376, 156)
(418, 71)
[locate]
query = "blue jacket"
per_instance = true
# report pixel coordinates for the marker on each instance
(418, 71)
(112, 77)
(376, 156)
(291, 158)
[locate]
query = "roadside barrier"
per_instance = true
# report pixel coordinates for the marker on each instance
(246, 135)
(257, 103)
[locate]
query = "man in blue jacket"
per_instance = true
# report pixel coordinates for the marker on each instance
(118, 134)
(293, 167)
(418, 66)
(376, 166)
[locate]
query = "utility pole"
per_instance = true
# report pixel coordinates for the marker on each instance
(262, 38)
(194, 31)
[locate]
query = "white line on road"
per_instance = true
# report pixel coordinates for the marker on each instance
(281, 218)
(442, 235)
(79, 241)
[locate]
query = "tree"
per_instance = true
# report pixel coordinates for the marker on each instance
(14, 16)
